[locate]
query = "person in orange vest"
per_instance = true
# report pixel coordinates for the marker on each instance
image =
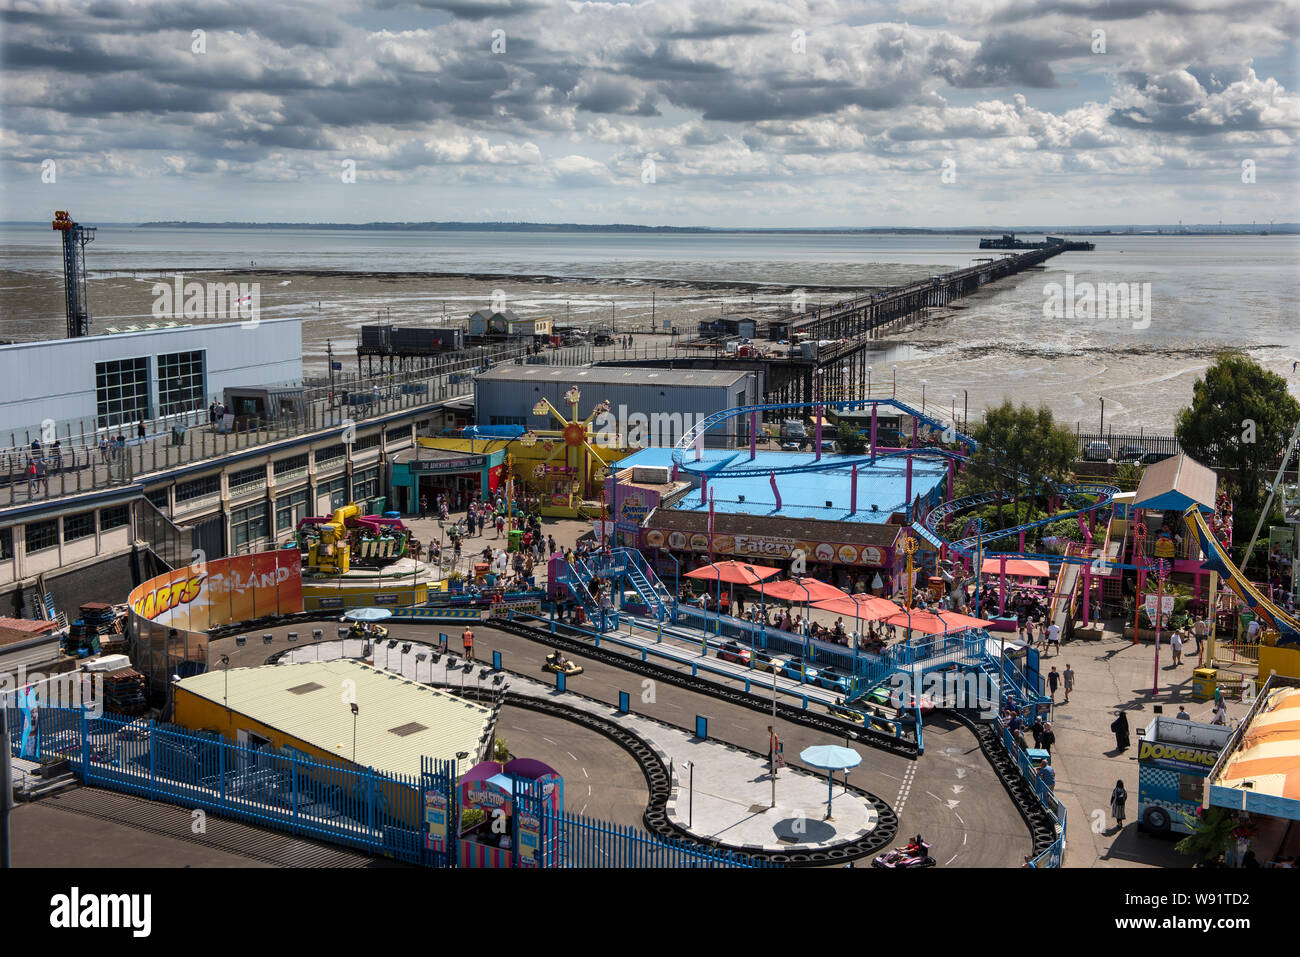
(468, 639)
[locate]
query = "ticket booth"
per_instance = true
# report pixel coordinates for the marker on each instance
(501, 814)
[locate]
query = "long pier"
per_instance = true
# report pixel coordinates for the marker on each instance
(854, 324)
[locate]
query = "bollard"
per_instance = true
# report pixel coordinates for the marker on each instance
(559, 681)
(496, 661)
(701, 727)
(623, 702)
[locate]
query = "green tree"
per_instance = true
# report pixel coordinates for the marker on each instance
(851, 440)
(1240, 419)
(1019, 441)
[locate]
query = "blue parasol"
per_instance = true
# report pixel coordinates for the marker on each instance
(368, 614)
(832, 758)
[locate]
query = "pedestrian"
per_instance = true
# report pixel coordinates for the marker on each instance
(1036, 729)
(1117, 798)
(1220, 714)
(139, 430)
(1048, 776)
(1176, 646)
(501, 525)
(1049, 737)
(1200, 631)
(1054, 637)
(103, 449)
(467, 640)
(31, 478)
(1053, 679)
(43, 476)
(1182, 714)
(1069, 681)
(1120, 727)
(424, 505)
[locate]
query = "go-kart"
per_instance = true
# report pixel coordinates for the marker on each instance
(569, 667)
(913, 854)
(863, 717)
(367, 631)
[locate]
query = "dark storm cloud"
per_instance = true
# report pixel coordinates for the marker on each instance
(1009, 60)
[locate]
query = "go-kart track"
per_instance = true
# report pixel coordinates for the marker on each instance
(951, 795)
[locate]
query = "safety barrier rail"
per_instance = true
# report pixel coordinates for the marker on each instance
(1055, 853)
(285, 790)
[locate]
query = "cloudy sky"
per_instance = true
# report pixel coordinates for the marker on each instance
(770, 113)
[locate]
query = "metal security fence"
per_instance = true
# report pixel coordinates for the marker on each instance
(586, 842)
(1055, 853)
(412, 819)
(1124, 444)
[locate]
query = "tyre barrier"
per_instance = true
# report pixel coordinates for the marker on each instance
(754, 702)
(656, 818)
(660, 785)
(1041, 825)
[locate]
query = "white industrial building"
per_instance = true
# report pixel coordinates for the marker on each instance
(122, 377)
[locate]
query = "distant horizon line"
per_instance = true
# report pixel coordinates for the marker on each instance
(530, 226)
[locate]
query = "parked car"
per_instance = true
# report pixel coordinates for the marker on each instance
(1151, 458)
(832, 679)
(1131, 453)
(766, 661)
(603, 339)
(1096, 452)
(733, 651)
(796, 669)
(893, 698)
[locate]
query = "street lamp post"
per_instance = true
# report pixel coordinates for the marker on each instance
(355, 712)
(225, 665)
(868, 382)
(1101, 426)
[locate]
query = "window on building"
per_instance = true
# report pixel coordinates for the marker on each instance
(42, 535)
(247, 524)
(158, 499)
(81, 525)
(364, 442)
(508, 420)
(287, 505)
(248, 478)
(296, 463)
(198, 488)
(331, 453)
(6, 544)
(365, 484)
(181, 385)
(114, 517)
(336, 490)
(121, 391)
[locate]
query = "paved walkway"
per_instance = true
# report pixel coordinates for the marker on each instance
(731, 797)
(1113, 673)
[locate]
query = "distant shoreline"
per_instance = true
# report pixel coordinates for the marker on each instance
(1234, 229)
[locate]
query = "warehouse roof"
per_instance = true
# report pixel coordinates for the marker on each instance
(613, 375)
(398, 721)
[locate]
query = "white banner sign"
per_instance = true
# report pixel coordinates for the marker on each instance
(1166, 604)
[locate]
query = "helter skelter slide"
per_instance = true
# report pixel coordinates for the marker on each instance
(1216, 558)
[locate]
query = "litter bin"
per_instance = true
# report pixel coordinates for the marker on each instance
(1038, 758)
(516, 540)
(481, 570)
(1204, 681)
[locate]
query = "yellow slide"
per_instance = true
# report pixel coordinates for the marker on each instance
(1269, 614)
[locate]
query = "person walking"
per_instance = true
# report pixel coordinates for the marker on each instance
(1069, 681)
(1036, 730)
(1054, 637)
(1049, 738)
(1176, 646)
(1053, 679)
(139, 430)
(1117, 798)
(1120, 727)
(1048, 777)
(1200, 631)
(467, 640)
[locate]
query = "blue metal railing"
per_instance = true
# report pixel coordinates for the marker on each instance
(1054, 855)
(591, 843)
